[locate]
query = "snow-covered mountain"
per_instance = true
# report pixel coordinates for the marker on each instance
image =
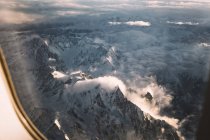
(75, 105)
(110, 77)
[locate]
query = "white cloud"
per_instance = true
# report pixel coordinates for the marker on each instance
(69, 4)
(206, 45)
(70, 13)
(15, 17)
(115, 23)
(132, 23)
(160, 100)
(109, 83)
(9, 14)
(138, 23)
(135, 4)
(182, 23)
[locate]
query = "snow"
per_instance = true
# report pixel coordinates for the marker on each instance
(76, 72)
(58, 75)
(66, 137)
(52, 59)
(52, 67)
(109, 58)
(57, 124)
(99, 40)
(46, 42)
(59, 127)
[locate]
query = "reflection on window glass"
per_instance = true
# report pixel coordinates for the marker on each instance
(109, 69)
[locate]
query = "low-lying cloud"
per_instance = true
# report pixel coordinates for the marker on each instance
(131, 23)
(18, 12)
(138, 23)
(161, 99)
(182, 23)
(14, 17)
(109, 83)
(206, 45)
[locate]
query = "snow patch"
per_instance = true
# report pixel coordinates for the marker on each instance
(76, 72)
(109, 58)
(98, 41)
(46, 42)
(52, 59)
(57, 124)
(58, 75)
(59, 127)
(66, 137)
(52, 67)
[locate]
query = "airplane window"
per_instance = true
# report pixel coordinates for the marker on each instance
(109, 70)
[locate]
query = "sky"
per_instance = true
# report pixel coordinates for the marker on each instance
(24, 11)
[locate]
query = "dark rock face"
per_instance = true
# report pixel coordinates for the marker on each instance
(148, 96)
(187, 102)
(111, 116)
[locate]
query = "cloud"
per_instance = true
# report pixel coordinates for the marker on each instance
(115, 23)
(109, 83)
(19, 12)
(182, 23)
(138, 23)
(131, 23)
(161, 99)
(136, 4)
(11, 16)
(177, 3)
(70, 13)
(14, 17)
(69, 4)
(206, 45)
